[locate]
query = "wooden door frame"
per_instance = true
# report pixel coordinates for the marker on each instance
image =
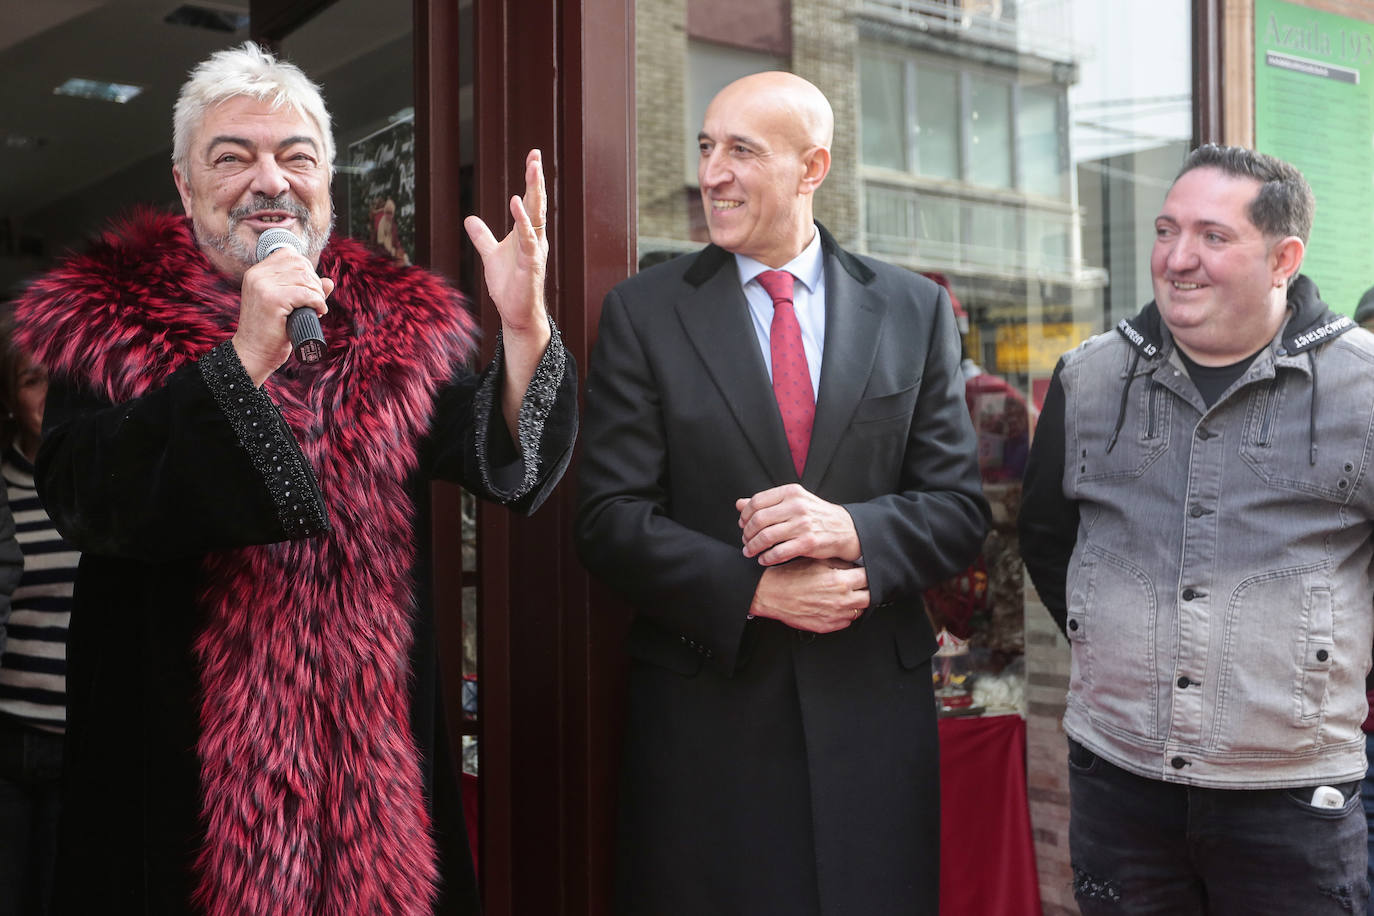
(551, 644)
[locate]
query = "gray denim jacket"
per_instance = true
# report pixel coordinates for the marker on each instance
(1218, 595)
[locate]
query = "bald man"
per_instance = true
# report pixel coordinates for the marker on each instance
(778, 460)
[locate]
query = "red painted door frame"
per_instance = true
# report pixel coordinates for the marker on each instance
(557, 75)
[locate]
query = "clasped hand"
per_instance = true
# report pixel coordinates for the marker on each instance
(809, 547)
(788, 522)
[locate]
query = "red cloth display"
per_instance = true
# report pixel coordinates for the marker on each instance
(987, 859)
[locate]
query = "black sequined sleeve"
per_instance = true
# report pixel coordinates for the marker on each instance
(177, 472)
(469, 443)
(268, 442)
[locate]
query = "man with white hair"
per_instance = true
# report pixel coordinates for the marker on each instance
(253, 722)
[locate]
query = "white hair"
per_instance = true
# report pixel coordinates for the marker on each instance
(247, 70)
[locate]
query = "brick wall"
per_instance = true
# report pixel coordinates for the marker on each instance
(1047, 682)
(824, 42)
(660, 107)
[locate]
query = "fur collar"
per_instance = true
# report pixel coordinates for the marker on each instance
(311, 792)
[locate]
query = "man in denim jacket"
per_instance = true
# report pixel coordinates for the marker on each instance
(1197, 519)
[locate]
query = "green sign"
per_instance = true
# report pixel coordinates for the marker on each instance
(1314, 107)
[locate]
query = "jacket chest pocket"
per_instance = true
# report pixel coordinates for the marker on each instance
(878, 411)
(1105, 451)
(1287, 450)
(877, 435)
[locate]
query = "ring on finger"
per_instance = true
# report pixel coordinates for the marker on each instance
(856, 613)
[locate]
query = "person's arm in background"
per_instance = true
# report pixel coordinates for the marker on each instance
(11, 563)
(1049, 520)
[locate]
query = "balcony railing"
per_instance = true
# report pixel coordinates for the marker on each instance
(1043, 29)
(925, 228)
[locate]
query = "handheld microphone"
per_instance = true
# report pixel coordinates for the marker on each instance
(302, 325)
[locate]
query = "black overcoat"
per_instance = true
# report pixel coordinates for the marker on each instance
(767, 770)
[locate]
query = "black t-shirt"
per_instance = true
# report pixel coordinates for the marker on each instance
(1211, 381)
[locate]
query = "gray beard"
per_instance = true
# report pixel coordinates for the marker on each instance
(233, 245)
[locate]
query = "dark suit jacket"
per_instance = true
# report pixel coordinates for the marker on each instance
(769, 770)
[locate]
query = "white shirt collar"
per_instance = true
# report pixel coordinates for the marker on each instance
(806, 266)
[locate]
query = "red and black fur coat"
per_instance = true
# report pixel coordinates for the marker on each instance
(292, 616)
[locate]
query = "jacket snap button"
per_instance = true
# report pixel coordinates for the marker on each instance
(1203, 434)
(1073, 624)
(1195, 512)
(1189, 594)
(1178, 763)
(1322, 655)
(1183, 681)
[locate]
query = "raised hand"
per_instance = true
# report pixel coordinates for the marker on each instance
(515, 266)
(514, 269)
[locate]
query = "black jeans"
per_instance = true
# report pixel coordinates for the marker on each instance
(1144, 846)
(30, 774)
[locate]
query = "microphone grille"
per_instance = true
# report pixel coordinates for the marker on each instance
(272, 239)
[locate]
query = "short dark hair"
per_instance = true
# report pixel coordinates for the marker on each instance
(1284, 205)
(1365, 310)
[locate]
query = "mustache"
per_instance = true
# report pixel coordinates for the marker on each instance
(261, 202)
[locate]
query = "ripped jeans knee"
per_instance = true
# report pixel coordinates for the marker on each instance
(1088, 886)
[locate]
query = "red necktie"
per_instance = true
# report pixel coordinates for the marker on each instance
(791, 376)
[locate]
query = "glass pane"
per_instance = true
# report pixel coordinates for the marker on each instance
(361, 53)
(1040, 134)
(994, 234)
(937, 122)
(710, 68)
(884, 112)
(989, 117)
(469, 504)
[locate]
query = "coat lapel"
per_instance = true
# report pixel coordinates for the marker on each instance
(715, 316)
(853, 317)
